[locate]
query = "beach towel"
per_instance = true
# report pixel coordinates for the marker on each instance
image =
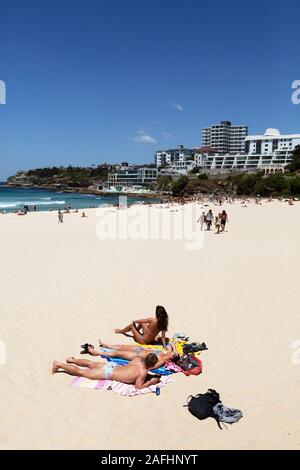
(117, 387)
(170, 365)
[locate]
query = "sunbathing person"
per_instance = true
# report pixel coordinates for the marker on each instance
(130, 352)
(146, 331)
(134, 373)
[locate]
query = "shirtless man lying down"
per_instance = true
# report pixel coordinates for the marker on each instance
(134, 373)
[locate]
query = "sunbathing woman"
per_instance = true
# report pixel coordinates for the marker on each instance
(130, 352)
(145, 331)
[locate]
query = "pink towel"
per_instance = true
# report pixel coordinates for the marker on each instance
(117, 387)
(170, 365)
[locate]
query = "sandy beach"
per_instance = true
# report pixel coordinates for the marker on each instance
(61, 286)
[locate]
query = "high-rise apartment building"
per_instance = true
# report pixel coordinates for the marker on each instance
(225, 137)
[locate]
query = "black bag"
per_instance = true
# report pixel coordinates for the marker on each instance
(201, 406)
(193, 348)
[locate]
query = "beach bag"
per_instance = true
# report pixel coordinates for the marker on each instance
(209, 405)
(196, 369)
(187, 362)
(202, 405)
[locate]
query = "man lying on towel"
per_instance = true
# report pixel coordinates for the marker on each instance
(130, 352)
(135, 373)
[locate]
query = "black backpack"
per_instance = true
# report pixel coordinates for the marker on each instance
(201, 406)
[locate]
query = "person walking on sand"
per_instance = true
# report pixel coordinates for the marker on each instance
(218, 222)
(130, 352)
(145, 331)
(209, 219)
(202, 220)
(134, 373)
(60, 217)
(224, 220)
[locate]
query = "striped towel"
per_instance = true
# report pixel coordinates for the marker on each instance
(172, 367)
(117, 387)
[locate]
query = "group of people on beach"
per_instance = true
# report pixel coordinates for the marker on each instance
(60, 215)
(208, 219)
(147, 331)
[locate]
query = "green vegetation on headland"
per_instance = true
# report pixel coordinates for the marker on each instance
(60, 177)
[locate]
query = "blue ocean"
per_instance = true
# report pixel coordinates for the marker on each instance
(12, 199)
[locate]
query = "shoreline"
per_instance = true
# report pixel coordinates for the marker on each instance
(32, 199)
(93, 192)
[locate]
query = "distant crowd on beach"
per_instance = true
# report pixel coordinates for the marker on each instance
(207, 219)
(60, 214)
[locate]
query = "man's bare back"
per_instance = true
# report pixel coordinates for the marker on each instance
(134, 373)
(131, 373)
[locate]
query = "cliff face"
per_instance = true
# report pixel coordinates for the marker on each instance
(21, 179)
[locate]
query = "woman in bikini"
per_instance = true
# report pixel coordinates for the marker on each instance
(130, 352)
(145, 331)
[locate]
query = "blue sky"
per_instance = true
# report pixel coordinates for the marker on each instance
(98, 81)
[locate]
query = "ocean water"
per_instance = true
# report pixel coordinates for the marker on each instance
(12, 199)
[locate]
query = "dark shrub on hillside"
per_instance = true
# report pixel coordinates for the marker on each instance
(276, 184)
(164, 182)
(203, 176)
(295, 163)
(178, 187)
(295, 186)
(245, 185)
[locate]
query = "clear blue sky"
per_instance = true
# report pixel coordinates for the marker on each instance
(93, 81)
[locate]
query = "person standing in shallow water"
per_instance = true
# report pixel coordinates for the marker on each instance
(146, 331)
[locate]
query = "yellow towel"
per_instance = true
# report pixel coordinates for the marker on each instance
(178, 345)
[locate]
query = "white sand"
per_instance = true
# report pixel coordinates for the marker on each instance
(61, 286)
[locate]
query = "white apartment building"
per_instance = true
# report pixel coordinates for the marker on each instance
(172, 156)
(225, 137)
(182, 168)
(268, 150)
(272, 141)
(271, 149)
(140, 176)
